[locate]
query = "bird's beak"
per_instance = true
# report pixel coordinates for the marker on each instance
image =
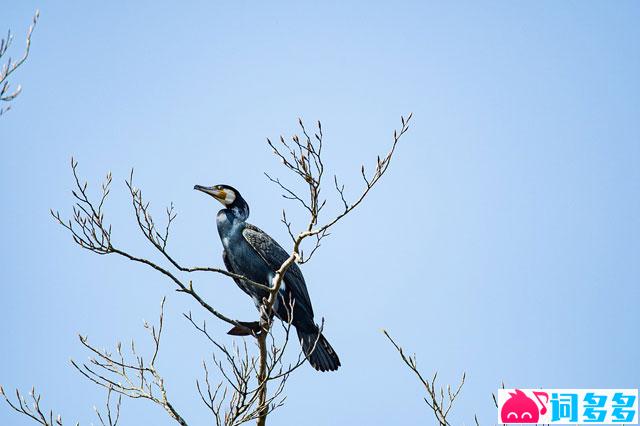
(218, 194)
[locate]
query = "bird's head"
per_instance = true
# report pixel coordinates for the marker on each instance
(228, 196)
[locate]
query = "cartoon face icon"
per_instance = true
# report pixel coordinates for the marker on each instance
(519, 408)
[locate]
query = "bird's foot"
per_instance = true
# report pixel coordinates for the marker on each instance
(245, 329)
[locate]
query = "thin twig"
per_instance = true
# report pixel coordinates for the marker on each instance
(8, 68)
(437, 400)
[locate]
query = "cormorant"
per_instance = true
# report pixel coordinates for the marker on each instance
(250, 252)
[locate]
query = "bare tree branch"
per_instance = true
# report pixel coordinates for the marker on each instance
(303, 159)
(7, 94)
(133, 379)
(89, 230)
(244, 389)
(112, 415)
(31, 408)
(438, 400)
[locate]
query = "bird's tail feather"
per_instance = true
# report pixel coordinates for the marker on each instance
(318, 351)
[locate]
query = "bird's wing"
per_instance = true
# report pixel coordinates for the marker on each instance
(274, 255)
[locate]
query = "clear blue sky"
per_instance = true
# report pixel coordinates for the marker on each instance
(504, 242)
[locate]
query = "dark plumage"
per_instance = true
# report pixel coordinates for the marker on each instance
(250, 252)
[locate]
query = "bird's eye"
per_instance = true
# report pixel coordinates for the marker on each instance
(526, 414)
(512, 414)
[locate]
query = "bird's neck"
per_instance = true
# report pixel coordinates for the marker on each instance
(239, 213)
(229, 221)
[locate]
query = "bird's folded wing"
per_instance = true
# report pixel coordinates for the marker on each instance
(272, 253)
